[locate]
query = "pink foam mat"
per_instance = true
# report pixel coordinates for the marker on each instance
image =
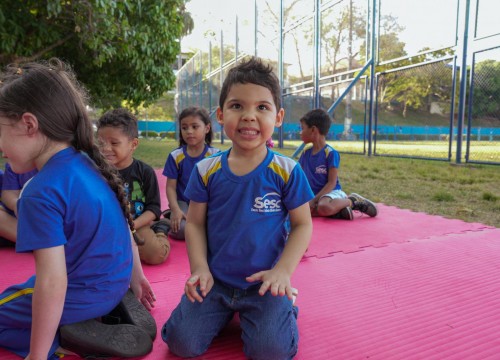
(392, 225)
(436, 298)
(422, 287)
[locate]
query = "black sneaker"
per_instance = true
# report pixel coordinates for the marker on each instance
(6, 243)
(166, 214)
(161, 226)
(92, 338)
(345, 214)
(363, 205)
(131, 311)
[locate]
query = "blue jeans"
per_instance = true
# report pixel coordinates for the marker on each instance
(268, 323)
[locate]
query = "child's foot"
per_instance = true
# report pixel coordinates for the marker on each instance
(363, 205)
(161, 226)
(131, 311)
(92, 338)
(166, 214)
(345, 213)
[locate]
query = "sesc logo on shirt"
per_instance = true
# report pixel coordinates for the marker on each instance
(270, 202)
(321, 170)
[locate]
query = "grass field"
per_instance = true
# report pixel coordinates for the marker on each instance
(481, 151)
(467, 192)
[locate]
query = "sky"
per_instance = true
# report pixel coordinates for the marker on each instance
(427, 22)
(212, 15)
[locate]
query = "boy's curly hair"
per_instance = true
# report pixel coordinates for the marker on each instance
(120, 118)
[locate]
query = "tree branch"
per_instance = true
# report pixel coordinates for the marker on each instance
(40, 53)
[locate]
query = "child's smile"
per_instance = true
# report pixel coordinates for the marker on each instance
(249, 116)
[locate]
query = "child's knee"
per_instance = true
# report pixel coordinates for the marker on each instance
(180, 342)
(154, 259)
(155, 251)
(260, 348)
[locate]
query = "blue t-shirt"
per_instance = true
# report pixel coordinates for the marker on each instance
(316, 167)
(246, 214)
(69, 203)
(14, 181)
(179, 165)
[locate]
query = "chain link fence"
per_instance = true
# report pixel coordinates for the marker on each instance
(390, 93)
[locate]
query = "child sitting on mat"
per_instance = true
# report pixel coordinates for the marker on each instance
(73, 216)
(118, 136)
(321, 163)
(195, 137)
(241, 259)
(11, 188)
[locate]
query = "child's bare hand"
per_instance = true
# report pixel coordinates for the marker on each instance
(277, 282)
(144, 293)
(203, 281)
(175, 220)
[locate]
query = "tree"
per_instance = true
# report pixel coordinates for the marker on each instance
(120, 49)
(346, 27)
(415, 88)
(486, 90)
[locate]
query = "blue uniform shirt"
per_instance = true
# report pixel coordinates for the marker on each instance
(316, 167)
(69, 203)
(179, 165)
(246, 214)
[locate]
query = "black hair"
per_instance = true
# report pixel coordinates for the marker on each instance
(252, 71)
(318, 118)
(120, 118)
(204, 117)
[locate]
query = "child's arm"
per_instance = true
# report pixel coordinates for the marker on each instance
(48, 299)
(152, 203)
(9, 199)
(139, 283)
(144, 219)
(177, 215)
(277, 280)
(196, 242)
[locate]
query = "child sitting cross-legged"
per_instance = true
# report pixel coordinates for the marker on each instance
(195, 137)
(117, 132)
(321, 164)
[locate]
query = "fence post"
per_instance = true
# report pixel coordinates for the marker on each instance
(463, 85)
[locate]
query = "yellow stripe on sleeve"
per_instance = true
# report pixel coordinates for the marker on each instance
(16, 295)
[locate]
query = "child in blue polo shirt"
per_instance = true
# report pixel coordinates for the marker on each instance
(240, 254)
(321, 163)
(73, 217)
(195, 138)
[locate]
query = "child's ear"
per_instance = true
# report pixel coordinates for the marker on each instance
(207, 128)
(135, 143)
(280, 116)
(30, 123)
(219, 115)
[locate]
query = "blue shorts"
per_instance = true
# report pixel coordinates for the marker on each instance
(15, 320)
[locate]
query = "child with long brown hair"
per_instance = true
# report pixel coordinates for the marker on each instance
(72, 215)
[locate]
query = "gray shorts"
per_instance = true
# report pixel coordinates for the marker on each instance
(336, 194)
